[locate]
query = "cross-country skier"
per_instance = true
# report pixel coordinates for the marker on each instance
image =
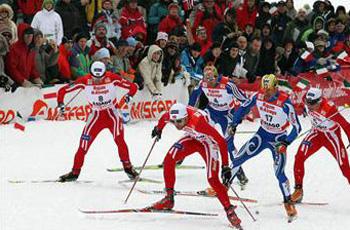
(221, 93)
(325, 132)
(199, 137)
(276, 113)
(100, 87)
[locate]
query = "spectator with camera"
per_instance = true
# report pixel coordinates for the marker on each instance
(46, 58)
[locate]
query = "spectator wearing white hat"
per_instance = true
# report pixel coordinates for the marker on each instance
(162, 39)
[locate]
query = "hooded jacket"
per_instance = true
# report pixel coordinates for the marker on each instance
(50, 23)
(152, 71)
(20, 61)
(4, 49)
(8, 23)
(29, 7)
(129, 20)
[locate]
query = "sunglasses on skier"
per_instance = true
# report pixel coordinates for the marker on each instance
(178, 121)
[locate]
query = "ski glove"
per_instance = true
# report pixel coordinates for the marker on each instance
(61, 108)
(232, 130)
(226, 175)
(127, 98)
(156, 133)
(281, 147)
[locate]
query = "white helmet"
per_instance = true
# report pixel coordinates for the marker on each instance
(178, 111)
(313, 96)
(97, 69)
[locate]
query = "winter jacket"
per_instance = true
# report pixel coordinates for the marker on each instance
(157, 12)
(92, 9)
(169, 23)
(245, 17)
(109, 18)
(63, 63)
(279, 25)
(227, 64)
(4, 49)
(95, 44)
(29, 7)
(295, 29)
(251, 62)
(79, 61)
(311, 33)
(193, 66)
(20, 61)
(129, 19)
(151, 71)
(44, 60)
(222, 30)
(8, 23)
(267, 61)
(71, 17)
(207, 20)
(50, 24)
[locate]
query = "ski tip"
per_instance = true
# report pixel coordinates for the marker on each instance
(292, 218)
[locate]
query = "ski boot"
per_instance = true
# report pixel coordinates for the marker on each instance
(68, 177)
(167, 203)
(298, 194)
(232, 217)
(242, 178)
(130, 171)
(291, 211)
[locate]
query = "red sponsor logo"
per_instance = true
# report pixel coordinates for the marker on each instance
(149, 109)
(42, 109)
(6, 116)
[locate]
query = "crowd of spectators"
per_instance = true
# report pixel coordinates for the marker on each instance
(158, 42)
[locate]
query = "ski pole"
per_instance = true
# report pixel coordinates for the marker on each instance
(328, 118)
(245, 207)
(245, 132)
(143, 166)
(70, 101)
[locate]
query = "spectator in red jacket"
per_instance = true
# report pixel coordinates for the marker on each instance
(65, 50)
(209, 17)
(202, 39)
(100, 40)
(131, 18)
(246, 14)
(20, 61)
(172, 20)
(27, 9)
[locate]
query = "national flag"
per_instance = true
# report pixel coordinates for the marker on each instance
(322, 72)
(285, 86)
(344, 57)
(307, 56)
(302, 83)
